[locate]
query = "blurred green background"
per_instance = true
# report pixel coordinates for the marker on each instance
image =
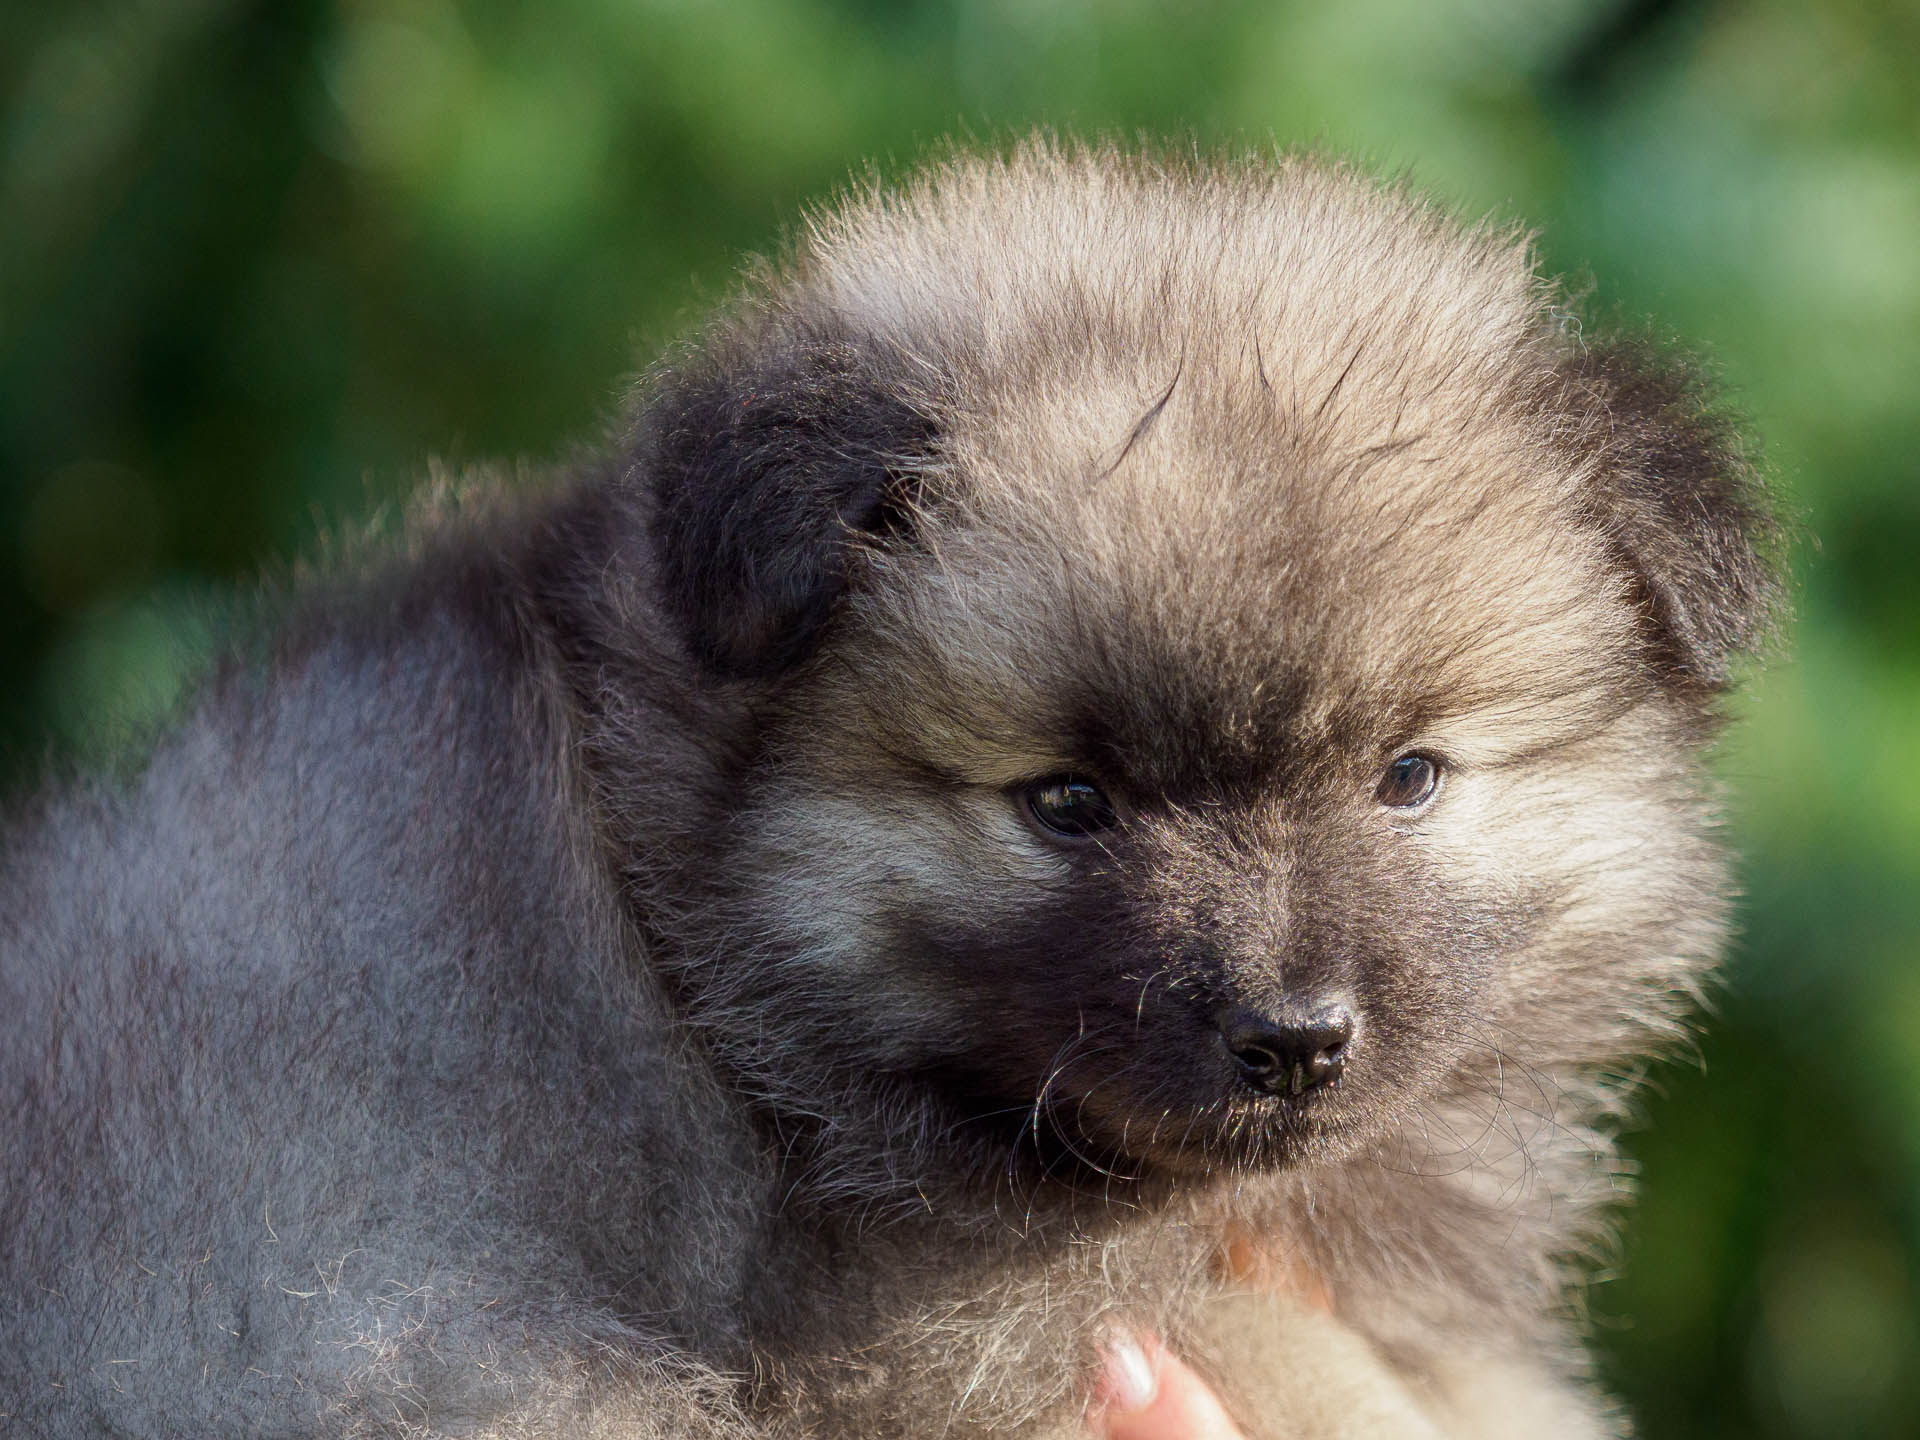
(260, 261)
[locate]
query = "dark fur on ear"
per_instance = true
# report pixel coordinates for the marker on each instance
(1684, 508)
(767, 463)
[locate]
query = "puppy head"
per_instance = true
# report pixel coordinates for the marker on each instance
(1231, 667)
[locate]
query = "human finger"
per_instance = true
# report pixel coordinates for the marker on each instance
(1146, 1393)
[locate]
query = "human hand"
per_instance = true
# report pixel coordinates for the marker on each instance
(1145, 1393)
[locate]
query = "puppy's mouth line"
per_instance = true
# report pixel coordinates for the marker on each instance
(1234, 1108)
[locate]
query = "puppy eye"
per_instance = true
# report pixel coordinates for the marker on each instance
(1410, 781)
(1070, 807)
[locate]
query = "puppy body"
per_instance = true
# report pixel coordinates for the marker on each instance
(608, 972)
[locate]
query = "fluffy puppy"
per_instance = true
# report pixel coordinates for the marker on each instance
(1118, 741)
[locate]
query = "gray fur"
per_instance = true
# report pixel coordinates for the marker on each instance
(590, 975)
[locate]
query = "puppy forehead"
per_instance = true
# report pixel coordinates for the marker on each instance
(1218, 613)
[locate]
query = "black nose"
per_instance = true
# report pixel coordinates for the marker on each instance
(1288, 1056)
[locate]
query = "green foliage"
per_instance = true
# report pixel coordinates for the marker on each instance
(259, 261)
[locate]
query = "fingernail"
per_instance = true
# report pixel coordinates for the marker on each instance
(1129, 1382)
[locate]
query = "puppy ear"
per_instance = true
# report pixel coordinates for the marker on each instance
(768, 463)
(1685, 510)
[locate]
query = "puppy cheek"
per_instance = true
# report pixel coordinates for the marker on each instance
(890, 905)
